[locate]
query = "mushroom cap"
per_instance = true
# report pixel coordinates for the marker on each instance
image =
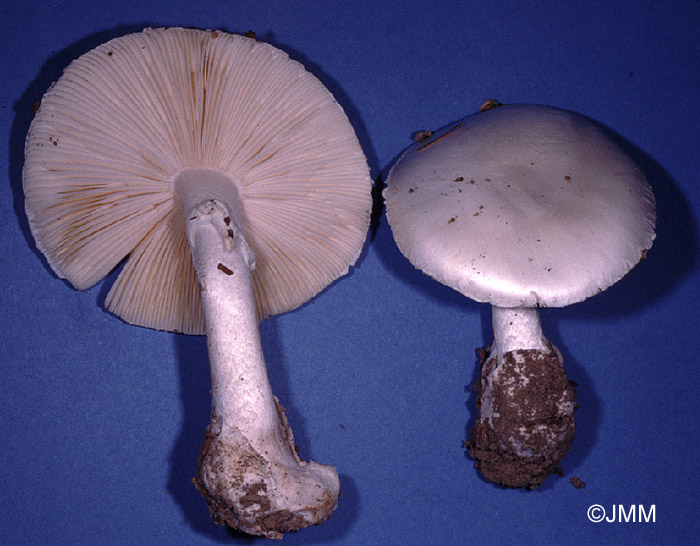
(521, 205)
(112, 134)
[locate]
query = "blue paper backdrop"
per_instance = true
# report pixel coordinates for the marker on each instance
(101, 422)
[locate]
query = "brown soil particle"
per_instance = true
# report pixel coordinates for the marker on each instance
(438, 139)
(420, 136)
(489, 104)
(529, 422)
(578, 483)
(222, 267)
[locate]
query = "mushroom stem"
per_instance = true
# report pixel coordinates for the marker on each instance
(517, 328)
(241, 393)
(248, 471)
(526, 404)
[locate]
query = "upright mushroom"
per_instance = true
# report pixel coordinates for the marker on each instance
(234, 183)
(521, 206)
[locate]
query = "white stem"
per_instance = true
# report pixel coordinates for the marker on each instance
(516, 328)
(241, 393)
(249, 451)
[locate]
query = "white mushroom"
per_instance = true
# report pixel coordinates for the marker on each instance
(521, 206)
(234, 183)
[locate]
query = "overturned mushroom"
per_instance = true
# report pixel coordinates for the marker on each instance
(521, 206)
(234, 183)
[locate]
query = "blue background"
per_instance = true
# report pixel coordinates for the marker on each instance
(101, 422)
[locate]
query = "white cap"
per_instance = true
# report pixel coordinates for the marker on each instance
(114, 132)
(521, 205)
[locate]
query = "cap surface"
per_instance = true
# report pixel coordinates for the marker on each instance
(114, 131)
(522, 205)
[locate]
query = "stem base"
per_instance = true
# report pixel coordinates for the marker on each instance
(526, 417)
(263, 493)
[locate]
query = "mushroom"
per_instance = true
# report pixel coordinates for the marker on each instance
(237, 188)
(521, 206)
